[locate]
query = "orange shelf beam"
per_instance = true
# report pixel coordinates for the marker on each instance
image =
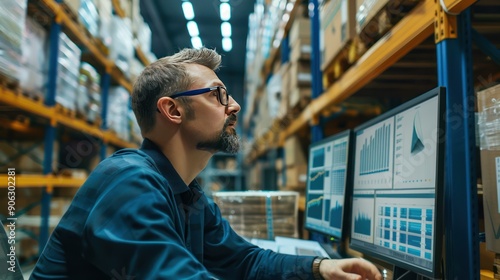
(118, 9)
(80, 125)
(406, 35)
(456, 6)
(69, 182)
(112, 138)
(76, 31)
(142, 56)
(411, 31)
(19, 101)
(39, 180)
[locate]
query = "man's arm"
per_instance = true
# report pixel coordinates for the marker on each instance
(229, 256)
(132, 230)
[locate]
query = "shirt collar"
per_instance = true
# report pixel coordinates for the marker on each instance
(168, 171)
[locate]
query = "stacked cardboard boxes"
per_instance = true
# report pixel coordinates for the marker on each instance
(489, 135)
(296, 74)
(295, 166)
(338, 28)
(259, 214)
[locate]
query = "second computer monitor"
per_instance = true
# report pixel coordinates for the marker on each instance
(397, 186)
(326, 184)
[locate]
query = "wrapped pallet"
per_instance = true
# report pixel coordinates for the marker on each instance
(12, 20)
(489, 134)
(260, 214)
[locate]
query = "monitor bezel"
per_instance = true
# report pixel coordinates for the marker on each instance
(440, 92)
(344, 232)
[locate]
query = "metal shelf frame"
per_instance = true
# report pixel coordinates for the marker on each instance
(47, 181)
(460, 191)
(451, 25)
(454, 55)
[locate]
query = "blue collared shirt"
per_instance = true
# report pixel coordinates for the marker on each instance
(134, 218)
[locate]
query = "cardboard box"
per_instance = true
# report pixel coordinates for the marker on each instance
(285, 89)
(285, 77)
(300, 74)
(299, 97)
(301, 29)
(296, 177)
(294, 154)
(366, 10)
(301, 50)
(338, 27)
(489, 130)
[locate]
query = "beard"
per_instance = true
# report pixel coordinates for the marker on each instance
(225, 141)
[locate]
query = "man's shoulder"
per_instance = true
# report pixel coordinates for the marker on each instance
(129, 160)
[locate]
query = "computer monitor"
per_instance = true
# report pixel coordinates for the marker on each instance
(397, 204)
(326, 185)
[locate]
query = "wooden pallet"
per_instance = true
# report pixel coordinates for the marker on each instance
(390, 14)
(347, 56)
(35, 96)
(9, 83)
(96, 123)
(65, 111)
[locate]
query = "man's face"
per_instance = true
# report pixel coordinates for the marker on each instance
(210, 124)
(226, 141)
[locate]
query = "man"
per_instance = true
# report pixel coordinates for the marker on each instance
(142, 215)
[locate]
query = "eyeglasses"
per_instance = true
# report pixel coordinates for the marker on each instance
(222, 93)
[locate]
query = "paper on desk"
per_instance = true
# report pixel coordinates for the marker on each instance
(265, 244)
(292, 246)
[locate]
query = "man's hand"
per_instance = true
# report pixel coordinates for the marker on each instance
(352, 269)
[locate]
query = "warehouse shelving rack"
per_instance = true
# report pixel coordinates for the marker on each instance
(450, 25)
(228, 179)
(12, 97)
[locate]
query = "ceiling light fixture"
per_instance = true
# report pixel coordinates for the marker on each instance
(227, 44)
(225, 11)
(193, 29)
(196, 42)
(187, 9)
(225, 29)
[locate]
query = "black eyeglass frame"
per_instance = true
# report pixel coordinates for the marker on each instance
(202, 91)
(205, 90)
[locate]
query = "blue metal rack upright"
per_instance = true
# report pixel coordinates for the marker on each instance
(50, 131)
(317, 83)
(453, 36)
(454, 55)
(105, 84)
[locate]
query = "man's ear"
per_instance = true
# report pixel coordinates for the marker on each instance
(170, 109)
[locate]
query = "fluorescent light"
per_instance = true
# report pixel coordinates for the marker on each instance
(225, 29)
(225, 11)
(193, 29)
(187, 9)
(196, 42)
(227, 44)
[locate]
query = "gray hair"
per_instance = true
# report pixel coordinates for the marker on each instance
(165, 77)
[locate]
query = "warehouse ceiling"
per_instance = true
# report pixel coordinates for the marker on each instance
(170, 34)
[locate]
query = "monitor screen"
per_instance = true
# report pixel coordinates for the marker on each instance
(397, 183)
(326, 184)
